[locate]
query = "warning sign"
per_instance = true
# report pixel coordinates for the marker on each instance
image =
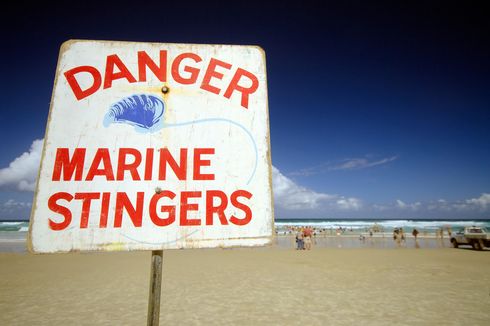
(155, 146)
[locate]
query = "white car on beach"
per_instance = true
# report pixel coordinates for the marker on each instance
(458, 239)
(474, 236)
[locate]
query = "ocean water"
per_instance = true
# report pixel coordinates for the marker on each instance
(14, 226)
(385, 225)
(13, 236)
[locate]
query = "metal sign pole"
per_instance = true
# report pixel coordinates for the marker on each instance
(153, 318)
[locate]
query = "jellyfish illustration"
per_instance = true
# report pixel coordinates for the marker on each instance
(144, 112)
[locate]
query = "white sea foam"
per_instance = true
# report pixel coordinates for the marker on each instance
(14, 226)
(383, 224)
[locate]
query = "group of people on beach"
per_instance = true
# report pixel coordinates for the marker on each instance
(306, 236)
(399, 236)
(440, 233)
(303, 238)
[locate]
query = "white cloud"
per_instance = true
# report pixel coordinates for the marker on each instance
(401, 204)
(361, 163)
(469, 207)
(482, 202)
(14, 209)
(380, 208)
(459, 206)
(413, 206)
(348, 164)
(22, 172)
(349, 203)
(10, 204)
(289, 195)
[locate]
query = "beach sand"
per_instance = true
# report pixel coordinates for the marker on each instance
(250, 286)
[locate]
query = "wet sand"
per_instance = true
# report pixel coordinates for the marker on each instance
(13, 242)
(259, 286)
(378, 241)
(16, 241)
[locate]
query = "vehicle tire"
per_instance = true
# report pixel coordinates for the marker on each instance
(476, 245)
(482, 244)
(455, 243)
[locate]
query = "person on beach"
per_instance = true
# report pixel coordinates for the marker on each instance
(300, 245)
(397, 237)
(402, 235)
(307, 233)
(415, 233)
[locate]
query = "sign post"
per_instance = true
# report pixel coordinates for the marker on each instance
(155, 288)
(153, 146)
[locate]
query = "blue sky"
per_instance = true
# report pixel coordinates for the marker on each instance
(377, 109)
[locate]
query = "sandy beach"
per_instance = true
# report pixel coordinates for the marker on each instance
(251, 286)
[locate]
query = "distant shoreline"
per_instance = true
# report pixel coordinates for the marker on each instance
(15, 242)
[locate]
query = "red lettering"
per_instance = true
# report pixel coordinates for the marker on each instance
(198, 163)
(212, 73)
(144, 61)
(186, 207)
(135, 213)
(104, 209)
(149, 164)
(162, 208)
(86, 198)
(75, 86)
(219, 209)
(122, 166)
(183, 72)
(248, 212)
(170, 210)
(110, 75)
(193, 71)
(102, 155)
(179, 170)
(62, 210)
(246, 91)
(62, 162)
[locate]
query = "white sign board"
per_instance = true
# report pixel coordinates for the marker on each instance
(155, 146)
